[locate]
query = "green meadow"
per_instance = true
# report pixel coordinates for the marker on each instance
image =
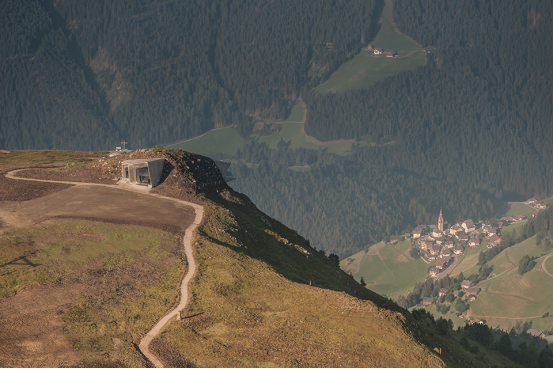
(222, 140)
(511, 297)
(228, 141)
(518, 208)
(389, 37)
(512, 227)
(510, 257)
(365, 69)
(387, 268)
(549, 265)
(467, 262)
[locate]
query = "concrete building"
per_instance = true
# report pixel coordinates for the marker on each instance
(146, 172)
(223, 166)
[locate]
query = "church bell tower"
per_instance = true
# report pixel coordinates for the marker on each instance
(441, 222)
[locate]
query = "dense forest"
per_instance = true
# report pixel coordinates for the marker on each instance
(470, 129)
(479, 111)
(343, 204)
(84, 75)
(466, 132)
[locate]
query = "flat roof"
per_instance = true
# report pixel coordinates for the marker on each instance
(139, 161)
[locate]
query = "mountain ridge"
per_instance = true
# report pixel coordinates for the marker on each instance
(255, 277)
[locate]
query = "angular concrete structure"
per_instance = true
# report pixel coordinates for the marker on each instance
(146, 172)
(223, 166)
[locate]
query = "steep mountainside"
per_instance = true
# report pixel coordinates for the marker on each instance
(261, 296)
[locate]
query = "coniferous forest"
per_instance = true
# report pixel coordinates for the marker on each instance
(84, 75)
(469, 130)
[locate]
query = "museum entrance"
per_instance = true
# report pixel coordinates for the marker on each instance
(143, 176)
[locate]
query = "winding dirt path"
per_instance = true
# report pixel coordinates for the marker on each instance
(187, 239)
(543, 266)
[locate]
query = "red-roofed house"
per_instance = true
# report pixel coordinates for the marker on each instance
(494, 241)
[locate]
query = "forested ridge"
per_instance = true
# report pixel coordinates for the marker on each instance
(343, 204)
(470, 129)
(466, 132)
(84, 75)
(480, 111)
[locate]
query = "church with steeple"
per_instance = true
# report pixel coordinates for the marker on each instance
(441, 222)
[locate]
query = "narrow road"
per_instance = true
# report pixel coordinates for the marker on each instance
(543, 266)
(187, 239)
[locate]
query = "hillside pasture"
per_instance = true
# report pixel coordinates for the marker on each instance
(295, 134)
(223, 140)
(510, 257)
(549, 265)
(389, 37)
(511, 297)
(365, 69)
(512, 227)
(79, 290)
(227, 140)
(469, 260)
(297, 114)
(387, 268)
(519, 208)
(451, 314)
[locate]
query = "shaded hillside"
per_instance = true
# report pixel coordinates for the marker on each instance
(479, 112)
(466, 132)
(86, 76)
(261, 296)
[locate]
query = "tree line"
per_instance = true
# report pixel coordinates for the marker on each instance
(84, 75)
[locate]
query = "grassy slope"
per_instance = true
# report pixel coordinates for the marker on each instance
(104, 257)
(223, 140)
(227, 140)
(261, 295)
(390, 272)
(511, 297)
(29, 158)
(518, 208)
(467, 262)
(364, 70)
(259, 301)
(549, 265)
(512, 227)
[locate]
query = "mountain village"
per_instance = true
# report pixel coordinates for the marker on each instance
(444, 243)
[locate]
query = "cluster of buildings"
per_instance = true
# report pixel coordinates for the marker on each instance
(378, 52)
(469, 293)
(535, 203)
(441, 244)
